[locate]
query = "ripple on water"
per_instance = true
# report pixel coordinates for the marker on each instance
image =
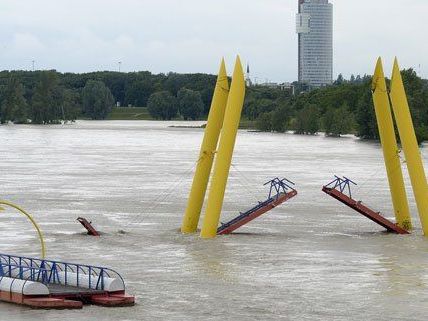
(309, 259)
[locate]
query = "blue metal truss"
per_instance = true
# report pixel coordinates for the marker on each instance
(342, 184)
(48, 272)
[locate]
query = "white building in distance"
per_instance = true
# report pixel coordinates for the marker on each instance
(314, 26)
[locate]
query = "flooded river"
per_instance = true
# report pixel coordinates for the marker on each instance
(309, 259)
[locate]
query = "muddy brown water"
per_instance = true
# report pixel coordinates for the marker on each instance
(309, 259)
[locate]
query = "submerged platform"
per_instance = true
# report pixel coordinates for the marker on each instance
(283, 192)
(50, 284)
(337, 189)
(88, 226)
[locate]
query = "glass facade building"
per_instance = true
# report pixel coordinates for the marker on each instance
(314, 26)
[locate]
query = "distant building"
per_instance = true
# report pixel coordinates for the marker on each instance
(273, 85)
(282, 86)
(269, 84)
(248, 81)
(314, 26)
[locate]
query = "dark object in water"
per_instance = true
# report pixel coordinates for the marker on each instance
(88, 226)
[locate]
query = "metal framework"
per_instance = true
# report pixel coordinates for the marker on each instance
(279, 186)
(280, 191)
(338, 188)
(48, 272)
(342, 185)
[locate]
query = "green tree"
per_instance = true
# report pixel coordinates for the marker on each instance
(174, 83)
(46, 100)
(417, 95)
(264, 122)
(365, 117)
(162, 105)
(340, 80)
(138, 92)
(13, 106)
(307, 120)
(338, 121)
(116, 82)
(281, 116)
(97, 100)
(71, 105)
(255, 106)
(190, 104)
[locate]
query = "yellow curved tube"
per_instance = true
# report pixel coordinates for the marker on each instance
(228, 134)
(390, 148)
(39, 232)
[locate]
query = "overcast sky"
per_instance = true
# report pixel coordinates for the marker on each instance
(192, 35)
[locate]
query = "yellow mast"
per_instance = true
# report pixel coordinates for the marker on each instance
(225, 151)
(206, 155)
(390, 148)
(410, 146)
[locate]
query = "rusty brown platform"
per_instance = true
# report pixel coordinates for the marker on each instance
(91, 296)
(260, 209)
(364, 210)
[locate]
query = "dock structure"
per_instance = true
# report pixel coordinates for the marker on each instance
(281, 190)
(88, 226)
(47, 284)
(340, 189)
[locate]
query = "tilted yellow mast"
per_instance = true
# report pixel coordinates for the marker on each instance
(206, 156)
(390, 148)
(225, 151)
(410, 146)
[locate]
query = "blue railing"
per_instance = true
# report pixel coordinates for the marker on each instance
(342, 184)
(56, 272)
(279, 186)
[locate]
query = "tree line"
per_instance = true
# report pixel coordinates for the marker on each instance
(46, 97)
(42, 98)
(346, 107)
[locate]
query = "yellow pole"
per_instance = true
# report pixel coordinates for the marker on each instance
(390, 148)
(225, 151)
(206, 155)
(410, 146)
(39, 232)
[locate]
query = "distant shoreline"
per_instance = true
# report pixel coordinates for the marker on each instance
(188, 126)
(141, 113)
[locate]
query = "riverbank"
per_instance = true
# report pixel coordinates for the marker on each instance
(142, 113)
(129, 113)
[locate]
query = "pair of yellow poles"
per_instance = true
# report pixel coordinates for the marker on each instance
(383, 100)
(222, 124)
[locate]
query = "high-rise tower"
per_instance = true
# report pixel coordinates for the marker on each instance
(314, 26)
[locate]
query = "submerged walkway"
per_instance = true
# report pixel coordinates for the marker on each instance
(282, 194)
(336, 190)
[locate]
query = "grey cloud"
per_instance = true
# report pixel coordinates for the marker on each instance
(192, 36)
